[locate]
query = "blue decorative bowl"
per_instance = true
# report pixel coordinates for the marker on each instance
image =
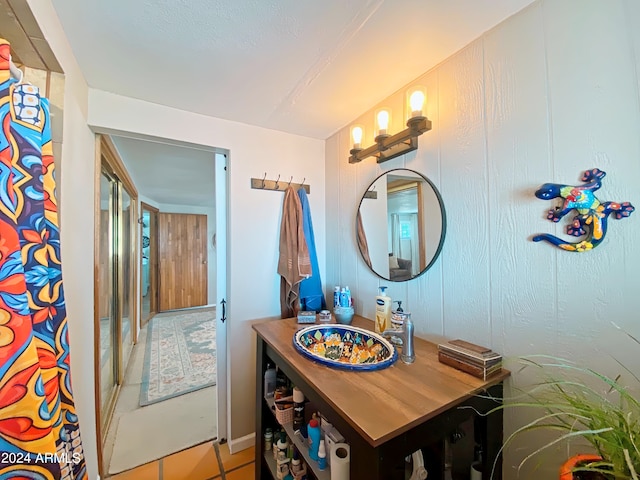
(345, 347)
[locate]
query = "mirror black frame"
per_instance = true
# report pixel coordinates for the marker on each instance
(442, 213)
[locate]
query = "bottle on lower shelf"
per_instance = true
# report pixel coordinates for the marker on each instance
(298, 467)
(314, 438)
(322, 456)
(298, 442)
(298, 408)
(283, 460)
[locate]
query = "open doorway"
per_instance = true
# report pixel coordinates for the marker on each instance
(157, 414)
(148, 263)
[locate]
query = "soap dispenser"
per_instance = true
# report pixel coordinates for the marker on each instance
(398, 317)
(383, 311)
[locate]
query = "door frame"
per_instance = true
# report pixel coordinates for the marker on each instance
(113, 166)
(153, 261)
(222, 267)
(221, 245)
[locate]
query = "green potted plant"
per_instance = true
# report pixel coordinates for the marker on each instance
(579, 402)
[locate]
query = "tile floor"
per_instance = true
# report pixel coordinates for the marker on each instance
(207, 461)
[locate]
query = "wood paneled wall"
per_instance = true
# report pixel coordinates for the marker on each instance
(549, 93)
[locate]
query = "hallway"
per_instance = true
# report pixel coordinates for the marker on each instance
(139, 435)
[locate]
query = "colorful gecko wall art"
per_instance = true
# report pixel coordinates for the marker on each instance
(592, 214)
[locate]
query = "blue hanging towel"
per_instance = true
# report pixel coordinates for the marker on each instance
(311, 295)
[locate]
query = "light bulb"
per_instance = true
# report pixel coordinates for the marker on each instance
(383, 122)
(416, 101)
(356, 134)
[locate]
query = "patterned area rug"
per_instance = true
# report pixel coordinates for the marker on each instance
(180, 355)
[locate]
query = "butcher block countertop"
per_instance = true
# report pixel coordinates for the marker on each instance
(380, 404)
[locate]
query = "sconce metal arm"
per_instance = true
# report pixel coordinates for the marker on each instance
(391, 146)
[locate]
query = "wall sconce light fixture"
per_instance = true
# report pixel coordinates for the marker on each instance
(390, 146)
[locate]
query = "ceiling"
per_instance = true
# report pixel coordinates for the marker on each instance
(169, 174)
(306, 67)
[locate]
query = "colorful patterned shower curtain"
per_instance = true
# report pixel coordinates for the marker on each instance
(39, 433)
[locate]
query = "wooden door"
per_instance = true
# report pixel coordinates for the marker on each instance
(182, 260)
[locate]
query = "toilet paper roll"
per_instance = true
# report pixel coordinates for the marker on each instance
(476, 471)
(340, 457)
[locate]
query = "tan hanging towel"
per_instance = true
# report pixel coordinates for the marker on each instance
(362, 240)
(294, 264)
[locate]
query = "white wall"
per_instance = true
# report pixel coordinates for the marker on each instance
(254, 216)
(76, 187)
(549, 93)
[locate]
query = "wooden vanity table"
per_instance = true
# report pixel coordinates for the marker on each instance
(384, 415)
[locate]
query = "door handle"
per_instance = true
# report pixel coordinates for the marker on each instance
(224, 311)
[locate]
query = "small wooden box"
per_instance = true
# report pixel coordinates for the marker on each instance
(480, 372)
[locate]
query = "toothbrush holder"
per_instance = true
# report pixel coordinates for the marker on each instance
(344, 315)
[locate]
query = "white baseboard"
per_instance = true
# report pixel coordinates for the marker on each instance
(242, 443)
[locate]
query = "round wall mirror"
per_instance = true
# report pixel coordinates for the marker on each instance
(400, 225)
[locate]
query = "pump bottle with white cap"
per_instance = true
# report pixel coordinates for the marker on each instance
(383, 311)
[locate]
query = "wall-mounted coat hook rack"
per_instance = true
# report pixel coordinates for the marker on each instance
(264, 184)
